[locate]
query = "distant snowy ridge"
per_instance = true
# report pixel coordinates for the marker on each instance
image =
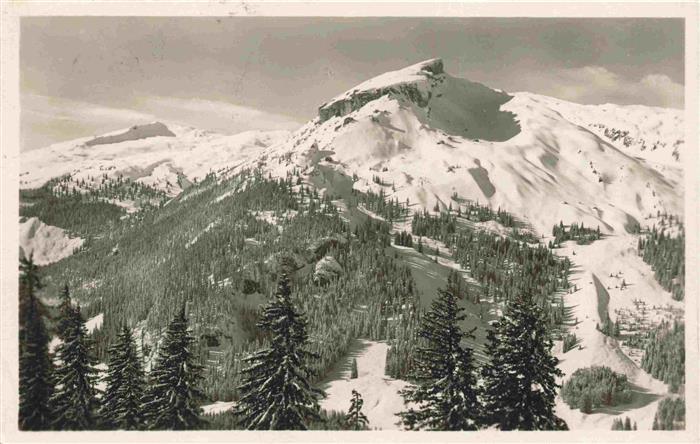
(159, 155)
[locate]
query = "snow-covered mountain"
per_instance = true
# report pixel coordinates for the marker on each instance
(429, 136)
(157, 154)
(423, 136)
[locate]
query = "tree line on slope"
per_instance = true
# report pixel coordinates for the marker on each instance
(578, 232)
(666, 255)
(506, 268)
(664, 355)
(105, 187)
(78, 214)
(670, 414)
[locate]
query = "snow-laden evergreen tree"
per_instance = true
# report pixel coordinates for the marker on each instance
(519, 380)
(355, 419)
(74, 400)
(275, 392)
(35, 366)
(444, 393)
(173, 399)
(121, 403)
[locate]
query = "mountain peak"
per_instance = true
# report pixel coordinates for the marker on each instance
(412, 81)
(456, 106)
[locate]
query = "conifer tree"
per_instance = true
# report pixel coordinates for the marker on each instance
(353, 369)
(35, 366)
(74, 400)
(275, 392)
(121, 404)
(65, 310)
(355, 419)
(172, 401)
(519, 380)
(445, 392)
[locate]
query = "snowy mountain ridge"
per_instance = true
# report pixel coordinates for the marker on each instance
(537, 157)
(156, 154)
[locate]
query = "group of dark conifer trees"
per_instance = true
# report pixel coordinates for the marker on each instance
(626, 425)
(664, 354)
(666, 255)
(582, 235)
(518, 388)
(61, 393)
(597, 386)
(670, 414)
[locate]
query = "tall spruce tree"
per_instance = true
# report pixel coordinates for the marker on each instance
(445, 393)
(275, 392)
(355, 419)
(35, 366)
(519, 381)
(74, 400)
(121, 403)
(173, 399)
(65, 314)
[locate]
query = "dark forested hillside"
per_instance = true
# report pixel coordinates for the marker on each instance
(664, 354)
(217, 247)
(665, 252)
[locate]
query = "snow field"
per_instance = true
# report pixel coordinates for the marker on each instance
(47, 244)
(380, 392)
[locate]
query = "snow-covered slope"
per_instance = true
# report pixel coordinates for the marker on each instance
(380, 392)
(47, 244)
(156, 154)
(603, 266)
(431, 135)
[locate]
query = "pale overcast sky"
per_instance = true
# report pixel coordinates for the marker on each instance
(86, 75)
